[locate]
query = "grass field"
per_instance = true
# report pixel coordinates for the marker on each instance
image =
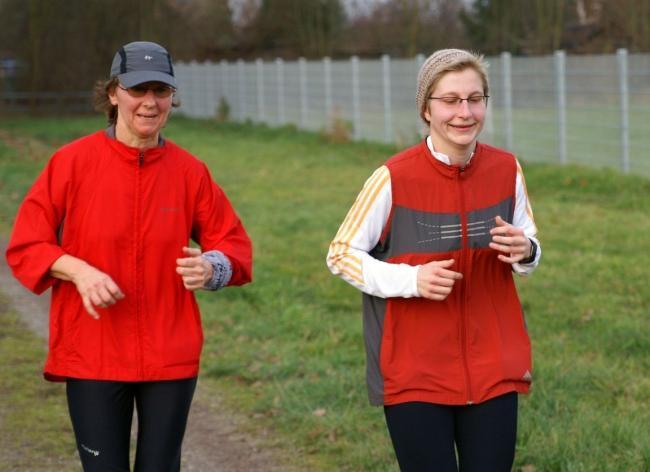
(35, 432)
(288, 351)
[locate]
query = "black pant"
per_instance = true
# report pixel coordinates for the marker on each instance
(102, 412)
(484, 435)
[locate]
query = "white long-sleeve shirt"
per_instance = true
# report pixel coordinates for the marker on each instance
(348, 255)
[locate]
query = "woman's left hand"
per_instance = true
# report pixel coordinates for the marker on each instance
(510, 241)
(195, 271)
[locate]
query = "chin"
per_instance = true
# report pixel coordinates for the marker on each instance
(148, 131)
(464, 141)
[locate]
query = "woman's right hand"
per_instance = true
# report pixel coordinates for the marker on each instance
(96, 288)
(435, 280)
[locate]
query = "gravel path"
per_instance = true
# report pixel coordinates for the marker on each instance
(214, 441)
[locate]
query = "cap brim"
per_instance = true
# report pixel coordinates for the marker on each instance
(131, 79)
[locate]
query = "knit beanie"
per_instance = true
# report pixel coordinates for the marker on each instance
(434, 64)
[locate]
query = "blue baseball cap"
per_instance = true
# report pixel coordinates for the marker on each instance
(142, 61)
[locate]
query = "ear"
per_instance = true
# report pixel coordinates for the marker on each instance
(427, 114)
(112, 96)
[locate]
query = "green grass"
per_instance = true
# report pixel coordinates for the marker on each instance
(290, 344)
(35, 431)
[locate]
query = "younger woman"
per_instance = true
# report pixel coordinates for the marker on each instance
(432, 241)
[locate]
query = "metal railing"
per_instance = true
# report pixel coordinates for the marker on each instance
(45, 102)
(591, 110)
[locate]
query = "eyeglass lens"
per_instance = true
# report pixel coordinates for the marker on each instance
(159, 90)
(474, 100)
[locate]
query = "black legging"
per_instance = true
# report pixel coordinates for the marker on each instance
(484, 435)
(102, 412)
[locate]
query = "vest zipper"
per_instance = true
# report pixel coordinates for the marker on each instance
(137, 267)
(463, 292)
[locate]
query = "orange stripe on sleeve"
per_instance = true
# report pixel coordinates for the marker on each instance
(352, 276)
(529, 209)
(347, 260)
(361, 211)
(348, 268)
(376, 180)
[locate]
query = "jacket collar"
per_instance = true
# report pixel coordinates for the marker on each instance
(441, 162)
(131, 154)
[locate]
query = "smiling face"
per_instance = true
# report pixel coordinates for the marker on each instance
(140, 119)
(455, 127)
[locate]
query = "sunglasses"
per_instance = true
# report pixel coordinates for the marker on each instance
(140, 90)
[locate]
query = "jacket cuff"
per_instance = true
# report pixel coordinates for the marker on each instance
(221, 269)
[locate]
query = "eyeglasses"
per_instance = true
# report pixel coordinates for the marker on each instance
(140, 90)
(453, 102)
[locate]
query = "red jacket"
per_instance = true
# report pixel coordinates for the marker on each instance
(127, 213)
(472, 346)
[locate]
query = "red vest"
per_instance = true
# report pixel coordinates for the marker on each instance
(472, 346)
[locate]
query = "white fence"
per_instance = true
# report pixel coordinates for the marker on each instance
(591, 110)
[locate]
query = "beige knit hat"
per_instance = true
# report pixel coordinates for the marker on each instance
(441, 61)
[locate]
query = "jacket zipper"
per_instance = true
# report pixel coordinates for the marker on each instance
(138, 250)
(463, 293)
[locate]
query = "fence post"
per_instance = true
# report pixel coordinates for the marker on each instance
(279, 69)
(356, 109)
(488, 125)
(506, 70)
(560, 82)
(204, 70)
(621, 56)
(388, 121)
(327, 72)
(195, 105)
(419, 60)
(302, 73)
(261, 109)
(208, 78)
(240, 89)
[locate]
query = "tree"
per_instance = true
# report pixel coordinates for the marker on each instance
(308, 28)
(69, 44)
(202, 30)
(403, 28)
(495, 25)
(541, 26)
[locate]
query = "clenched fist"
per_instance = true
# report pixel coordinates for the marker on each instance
(436, 280)
(194, 269)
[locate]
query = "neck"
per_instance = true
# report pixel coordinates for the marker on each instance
(460, 158)
(457, 156)
(134, 141)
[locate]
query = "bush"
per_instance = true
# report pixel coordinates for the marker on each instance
(223, 110)
(339, 129)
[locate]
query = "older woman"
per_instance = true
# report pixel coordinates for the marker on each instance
(107, 225)
(432, 241)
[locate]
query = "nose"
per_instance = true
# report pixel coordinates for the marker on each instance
(464, 109)
(149, 98)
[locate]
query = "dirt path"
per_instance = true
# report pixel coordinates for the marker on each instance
(214, 440)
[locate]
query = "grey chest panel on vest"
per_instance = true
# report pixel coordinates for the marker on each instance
(414, 232)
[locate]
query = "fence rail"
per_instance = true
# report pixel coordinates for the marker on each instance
(46, 102)
(592, 110)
